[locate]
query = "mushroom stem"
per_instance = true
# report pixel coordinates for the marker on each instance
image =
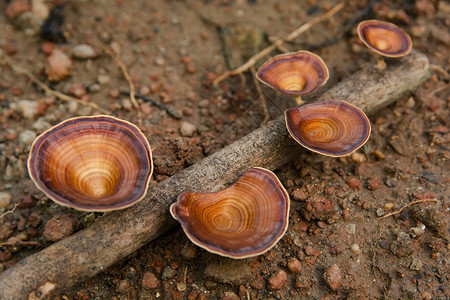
(381, 64)
(299, 100)
(118, 234)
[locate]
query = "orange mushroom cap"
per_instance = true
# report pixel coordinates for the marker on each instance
(384, 38)
(297, 73)
(244, 220)
(97, 163)
(333, 128)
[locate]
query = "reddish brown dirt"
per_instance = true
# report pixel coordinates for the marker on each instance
(336, 245)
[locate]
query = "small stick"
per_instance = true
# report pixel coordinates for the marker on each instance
(18, 242)
(437, 90)
(127, 76)
(407, 205)
(9, 211)
(440, 70)
(278, 43)
(49, 91)
(170, 110)
(261, 96)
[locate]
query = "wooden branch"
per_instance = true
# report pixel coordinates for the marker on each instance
(278, 43)
(118, 234)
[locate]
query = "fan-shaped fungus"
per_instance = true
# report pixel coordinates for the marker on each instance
(244, 220)
(298, 73)
(333, 128)
(97, 163)
(385, 39)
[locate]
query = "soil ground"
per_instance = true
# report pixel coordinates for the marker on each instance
(336, 247)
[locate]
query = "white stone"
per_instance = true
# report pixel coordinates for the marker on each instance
(5, 199)
(26, 138)
(187, 129)
(84, 51)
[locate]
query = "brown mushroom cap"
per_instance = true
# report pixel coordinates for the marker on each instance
(384, 38)
(333, 128)
(97, 163)
(244, 220)
(297, 73)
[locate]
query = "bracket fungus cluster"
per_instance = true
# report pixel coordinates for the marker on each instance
(244, 220)
(97, 163)
(298, 73)
(333, 128)
(384, 38)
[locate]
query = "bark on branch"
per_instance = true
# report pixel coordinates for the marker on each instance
(118, 234)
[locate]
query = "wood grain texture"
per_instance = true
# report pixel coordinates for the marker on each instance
(120, 233)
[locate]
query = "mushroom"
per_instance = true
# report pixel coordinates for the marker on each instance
(297, 73)
(97, 163)
(244, 220)
(333, 128)
(384, 38)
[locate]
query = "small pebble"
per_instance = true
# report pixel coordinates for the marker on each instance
(5, 199)
(333, 277)
(126, 104)
(58, 66)
(58, 228)
(123, 286)
(353, 183)
(388, 206)
(378, 154)
(187, 129)
(26, 138)
(47, 47)
(294, 265)
(355, 249)
(159, 61)
(16, 8)
(299, 195)
(277, 281)
(229, 296)
(417, 231)
(40, 9)
(168, 273)
(410, 102)
(84, 51)
(149, 281)
(103, 79)
(77, 90)
(358, 157)
(28, 108)
(416, 265)
(144, 91)
(380, 212)
(34, 220)
(181, 286)
(390, 182)
(41, 125)
(373, 183)
(93, 88)
(189, 250)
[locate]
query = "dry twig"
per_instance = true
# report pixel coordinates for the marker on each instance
(48, 90)
(407, 205)
(261, 97)
(127, 76)
(278, 43)
(9, 211)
